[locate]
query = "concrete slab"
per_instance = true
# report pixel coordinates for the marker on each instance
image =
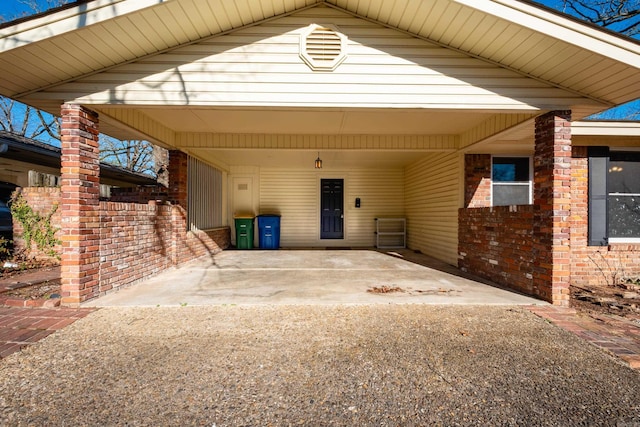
(311, 277)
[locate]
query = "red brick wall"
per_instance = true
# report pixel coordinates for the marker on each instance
(139, 194)
(594, 265)
(42, 200)
(477, 172)
(140, 240)
(136, 240)
(496, 243)
(526, 248)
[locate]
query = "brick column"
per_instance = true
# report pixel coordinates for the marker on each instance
(477, 180)
(178, 177)
(80, 188)
(552, 207)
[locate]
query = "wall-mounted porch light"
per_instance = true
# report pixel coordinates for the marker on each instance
(318, 162)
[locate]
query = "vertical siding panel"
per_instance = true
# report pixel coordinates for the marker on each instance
(432, 190)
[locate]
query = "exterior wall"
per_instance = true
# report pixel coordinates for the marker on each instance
(295, 194)
(594, 265)
(42, 200)
(496, 243)
(136, 240)
(432, 197)
(477, 178)
(139, 194)
(384, 68)
(140, 240)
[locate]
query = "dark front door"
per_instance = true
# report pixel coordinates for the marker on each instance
(332, 205)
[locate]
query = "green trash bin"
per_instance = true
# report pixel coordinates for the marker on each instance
(244, 232)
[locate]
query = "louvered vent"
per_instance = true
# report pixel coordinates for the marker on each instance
(323, 47)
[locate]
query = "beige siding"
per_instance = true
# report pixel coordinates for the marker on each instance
(260, 66)
(295, 195)
(432, 194)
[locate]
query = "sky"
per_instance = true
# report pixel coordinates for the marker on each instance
(11, 9)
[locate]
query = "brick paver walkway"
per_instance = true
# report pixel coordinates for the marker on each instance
(617, 335)
(20, 327)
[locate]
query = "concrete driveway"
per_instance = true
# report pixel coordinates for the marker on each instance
(311, 277)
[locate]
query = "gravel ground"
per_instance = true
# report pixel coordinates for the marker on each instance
(382, 365)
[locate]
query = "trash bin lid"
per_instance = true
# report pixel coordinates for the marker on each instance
(269, 215)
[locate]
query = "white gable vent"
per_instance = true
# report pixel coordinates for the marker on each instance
(323, 47)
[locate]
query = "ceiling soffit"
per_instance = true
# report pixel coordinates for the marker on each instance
(531, 40)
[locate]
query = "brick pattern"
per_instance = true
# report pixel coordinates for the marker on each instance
(496, 243)
(178, 177)
(477, 173)
(42, 200)
(140, 194)
(552, 207)
(617, 335)
(21, 327)
(594, 265)
(80, 198)
(523, 247)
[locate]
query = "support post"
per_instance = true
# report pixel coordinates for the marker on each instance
(552, 207)
(80, 189)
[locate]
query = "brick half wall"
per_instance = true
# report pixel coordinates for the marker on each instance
(496, 243)
(137, 240)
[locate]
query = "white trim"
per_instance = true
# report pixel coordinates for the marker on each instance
(604, 128)
(629, 240)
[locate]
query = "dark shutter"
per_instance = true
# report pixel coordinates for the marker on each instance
(598, 170)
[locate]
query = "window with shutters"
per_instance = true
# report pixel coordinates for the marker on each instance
(614, 196)
(323, 47)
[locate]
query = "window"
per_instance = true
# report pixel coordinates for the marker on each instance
(614, 196)
(623, 195)
(511, 181)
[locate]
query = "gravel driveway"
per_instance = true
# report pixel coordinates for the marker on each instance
(382, 365)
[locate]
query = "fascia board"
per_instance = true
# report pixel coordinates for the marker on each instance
(68, 20)
(557, 27)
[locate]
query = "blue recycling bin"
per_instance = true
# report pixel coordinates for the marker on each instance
(269, 231)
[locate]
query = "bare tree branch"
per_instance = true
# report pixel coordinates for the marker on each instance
(622, 16)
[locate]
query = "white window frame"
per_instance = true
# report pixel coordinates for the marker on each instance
(529, 183)
(614, 240)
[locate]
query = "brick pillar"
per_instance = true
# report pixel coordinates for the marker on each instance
(80, 188)
(477, 180)
(178, 177)
(552, 207)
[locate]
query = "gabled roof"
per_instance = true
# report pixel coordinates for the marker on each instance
(28, 150)
(91, 36)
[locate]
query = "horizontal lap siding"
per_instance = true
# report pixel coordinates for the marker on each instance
(292, 194)
(295, 195)
(432, 194)
(381, 194)
(260, 66)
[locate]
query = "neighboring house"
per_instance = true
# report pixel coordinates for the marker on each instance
(25, 162)
(437, 111)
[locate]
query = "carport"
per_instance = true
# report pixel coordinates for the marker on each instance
(309, 277)
(329, 113)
